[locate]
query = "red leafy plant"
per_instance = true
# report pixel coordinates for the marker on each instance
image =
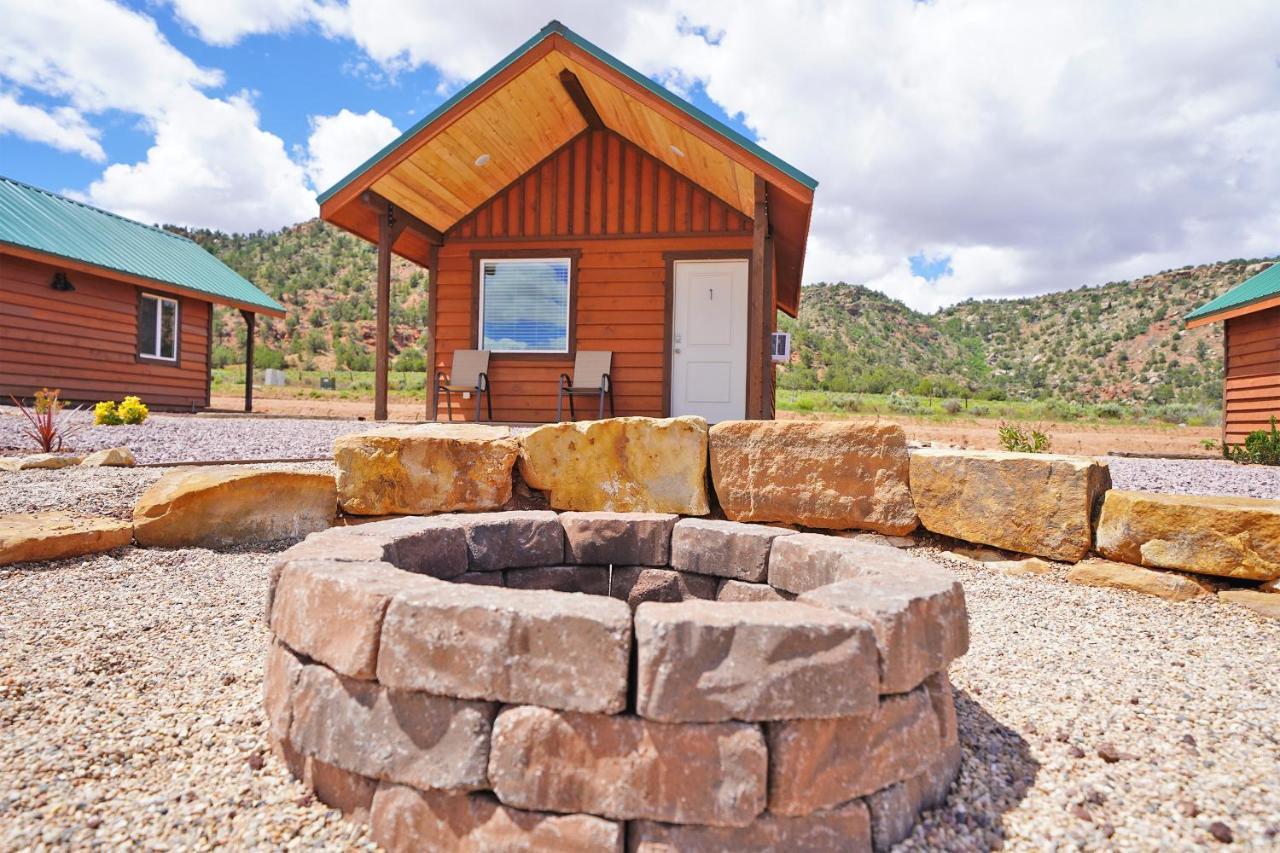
(48, 422)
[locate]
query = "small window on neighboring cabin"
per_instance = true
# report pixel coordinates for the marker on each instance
(524, 305)
(158, 327)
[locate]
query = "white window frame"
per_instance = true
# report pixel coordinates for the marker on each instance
(568, 303)
(177, 328)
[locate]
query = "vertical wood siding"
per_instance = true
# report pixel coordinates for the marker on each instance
(622, 210)
(1252, 390)
(84, 342)
(600, 185)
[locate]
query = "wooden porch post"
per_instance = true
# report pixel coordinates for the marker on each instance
(250, 321)
(383, 329)
(433, 264)
(759, 307)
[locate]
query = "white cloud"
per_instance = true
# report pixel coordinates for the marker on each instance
(227, 21)
(63, 128)
(341, 142)
(1037, 146)
(210, 163)
(97, 55)
(210, 166)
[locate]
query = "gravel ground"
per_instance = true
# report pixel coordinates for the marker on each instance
(188, 438)
(1195, 477)
(94, 491)
(130, 688)
(130, 695)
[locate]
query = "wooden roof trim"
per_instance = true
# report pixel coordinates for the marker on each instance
(683, 120)
(468, 99)
(129, 278)
(1238, 311)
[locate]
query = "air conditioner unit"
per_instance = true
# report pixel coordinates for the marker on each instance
(782, 346)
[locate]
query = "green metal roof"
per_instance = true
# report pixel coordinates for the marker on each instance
(553, 28)
(1264, 285)
(46, 222)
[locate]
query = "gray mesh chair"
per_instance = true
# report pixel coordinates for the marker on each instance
(590, 379)
(470, 375)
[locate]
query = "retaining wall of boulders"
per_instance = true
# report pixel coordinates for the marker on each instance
(722, 686)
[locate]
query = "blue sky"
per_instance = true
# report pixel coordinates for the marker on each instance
(291, 76)
(964, 149)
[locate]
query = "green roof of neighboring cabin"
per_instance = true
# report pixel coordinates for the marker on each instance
(609, 59)
(36, 219)
(1264, 285)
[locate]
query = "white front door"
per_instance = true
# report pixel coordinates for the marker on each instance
(709, 340)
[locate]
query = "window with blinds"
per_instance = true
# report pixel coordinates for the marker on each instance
(524, 305)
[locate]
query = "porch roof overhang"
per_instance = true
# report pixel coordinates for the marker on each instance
(530, 104)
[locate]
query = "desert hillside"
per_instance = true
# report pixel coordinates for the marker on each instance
(1119, 340)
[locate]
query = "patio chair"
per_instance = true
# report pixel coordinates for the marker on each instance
(470, 375)
(591, 375)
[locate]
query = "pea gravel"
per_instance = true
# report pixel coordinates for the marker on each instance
(130, 688)
(130, 714)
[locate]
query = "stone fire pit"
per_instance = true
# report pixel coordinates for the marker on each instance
(718, 686)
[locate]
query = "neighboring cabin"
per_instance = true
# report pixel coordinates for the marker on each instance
(563, 201)
(1251, 352)
(100, 306)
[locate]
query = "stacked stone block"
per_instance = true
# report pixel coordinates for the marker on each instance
(601, 681)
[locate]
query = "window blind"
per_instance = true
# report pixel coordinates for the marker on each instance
(524, 305)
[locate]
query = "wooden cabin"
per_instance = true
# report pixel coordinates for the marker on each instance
(101, 307)
(565, 202)
(1250, 314)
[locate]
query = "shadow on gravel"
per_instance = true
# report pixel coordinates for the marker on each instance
(996, 771)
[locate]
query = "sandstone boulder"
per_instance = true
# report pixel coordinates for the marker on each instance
(701, 661)
(406, 820)
(113, 457)
(620, 465)
(40, 536)
(412, 738)
(509, 645)
(218, 507)
(625, 767)
(1211, 535)
(425, 468)
(1170, 585)
(827, 474)
(727, 549)
(1033, 503)
(845, 828)
(817, 764)
(1265, 604)
(38, 461)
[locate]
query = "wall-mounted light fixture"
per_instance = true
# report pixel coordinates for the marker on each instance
(62, 283)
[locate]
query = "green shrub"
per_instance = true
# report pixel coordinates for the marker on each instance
(1018, 440)
(132, 410)
(265, 357)
(951, 407)
(105, 414)
(224, 355)
(1261, 447)
(411, 361)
